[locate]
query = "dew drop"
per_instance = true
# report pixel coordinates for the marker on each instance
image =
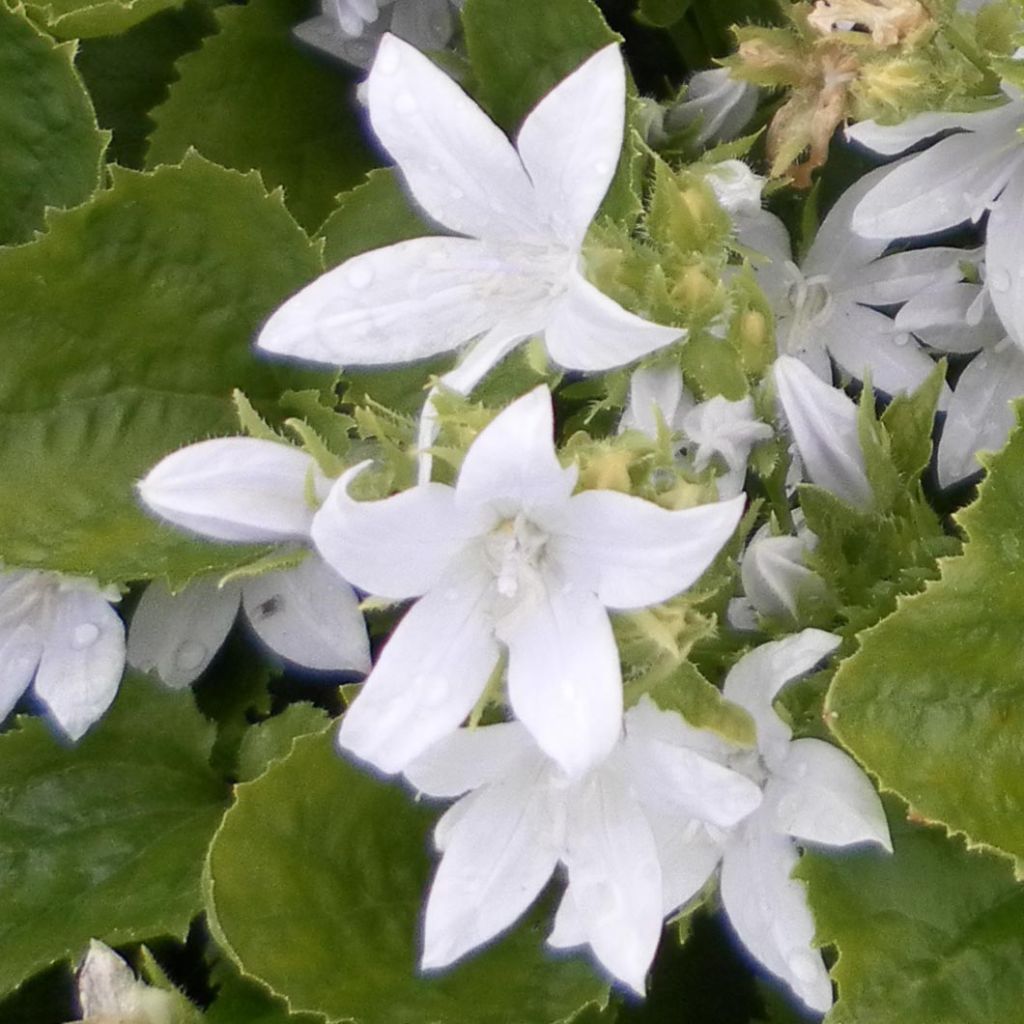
(405, 103)
(360, 276)
(999, 280)
(900, 339)
(85, 635)
(190, 655)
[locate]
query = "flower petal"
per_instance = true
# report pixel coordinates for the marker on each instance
(1004, 273)
(589, 331)
(20, 650)
(687, 854)
(980, 417)
(768, 910)
(428, 677)
(177, 635)
(939, 317)
(653, 392)
(950, 183)
(498, 857)
(310, 616)
(614, 876)
(564, 680)
(903, 275)
(234, 489)
(512, 462)
(756, 679)
(406, 301)
(823, 421)
(397, 547)
(890, 140)
(570, 143)
(458, 164)
(82, 662)
(634, 553)
(819, 794)
(470, 758)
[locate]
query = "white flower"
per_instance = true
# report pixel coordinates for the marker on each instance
(718, 103)
(979, 168)
(245, 490)
(814, 793)
(714, 431)
(630, 834)
(524, 212)
(351, 29)
(508, 556)
(307, 614)
(109, 993)
(61, 632)
(737, 188)
(823, 422)
(822, 305)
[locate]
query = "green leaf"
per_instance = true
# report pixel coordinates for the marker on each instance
(250, 98)
(944, 669)
(52, 148)
(242, 1000)
(933, 934)
(376, 213)
(124, 330)
(662, 13)
(315, 885)
(128, 74)
(272, 740)
(105, 839)
(86, 19)
(521, 51)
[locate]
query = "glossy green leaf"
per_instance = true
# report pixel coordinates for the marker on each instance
(933, 934)
(105, 839)
(124, 329)
(933, 702)
(87, 19)
(315, 885)
(251, 98)
(52, 147)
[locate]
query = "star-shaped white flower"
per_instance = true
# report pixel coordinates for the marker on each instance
(109, 993)
(823, 305)
(813, 793)
(628, 832)
(979, 168)
(520, 214)
(59, 635)
(242, 489)
(508, 557)
(717, 431)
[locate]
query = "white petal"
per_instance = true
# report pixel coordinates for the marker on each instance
(823, 421)
(397, 547)
(592, 332)
(107, 988)
(946, 185)
(1004, 273)
(458, 164)
(819, 794)
(721, 104)
(309, 615)
(177, 635)
(470, 758)
(570, 143)
(756, 679)
(653, 391)
(775, 576)
(407, 301)
(513, 463)
(568, 929)
(634, 553)
(564, 680)
(20, 650)
(939, 317)
(687, 854)
(646, 722)
(862, 340)
(428, 678)
(979, 417)
(768, 909)
(890, 140)
(675, 779)
(497, 858)
(82, 662)
(902, 275)
(487, 353)
(235, 489)
(614, 876)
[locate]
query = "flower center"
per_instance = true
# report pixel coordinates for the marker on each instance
(810, 300)
(514, 550)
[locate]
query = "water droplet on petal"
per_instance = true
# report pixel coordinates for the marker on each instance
(190, 655)
(405, 103)
(900, 339)
(999, 280)
(85, 635)
(360, 276)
